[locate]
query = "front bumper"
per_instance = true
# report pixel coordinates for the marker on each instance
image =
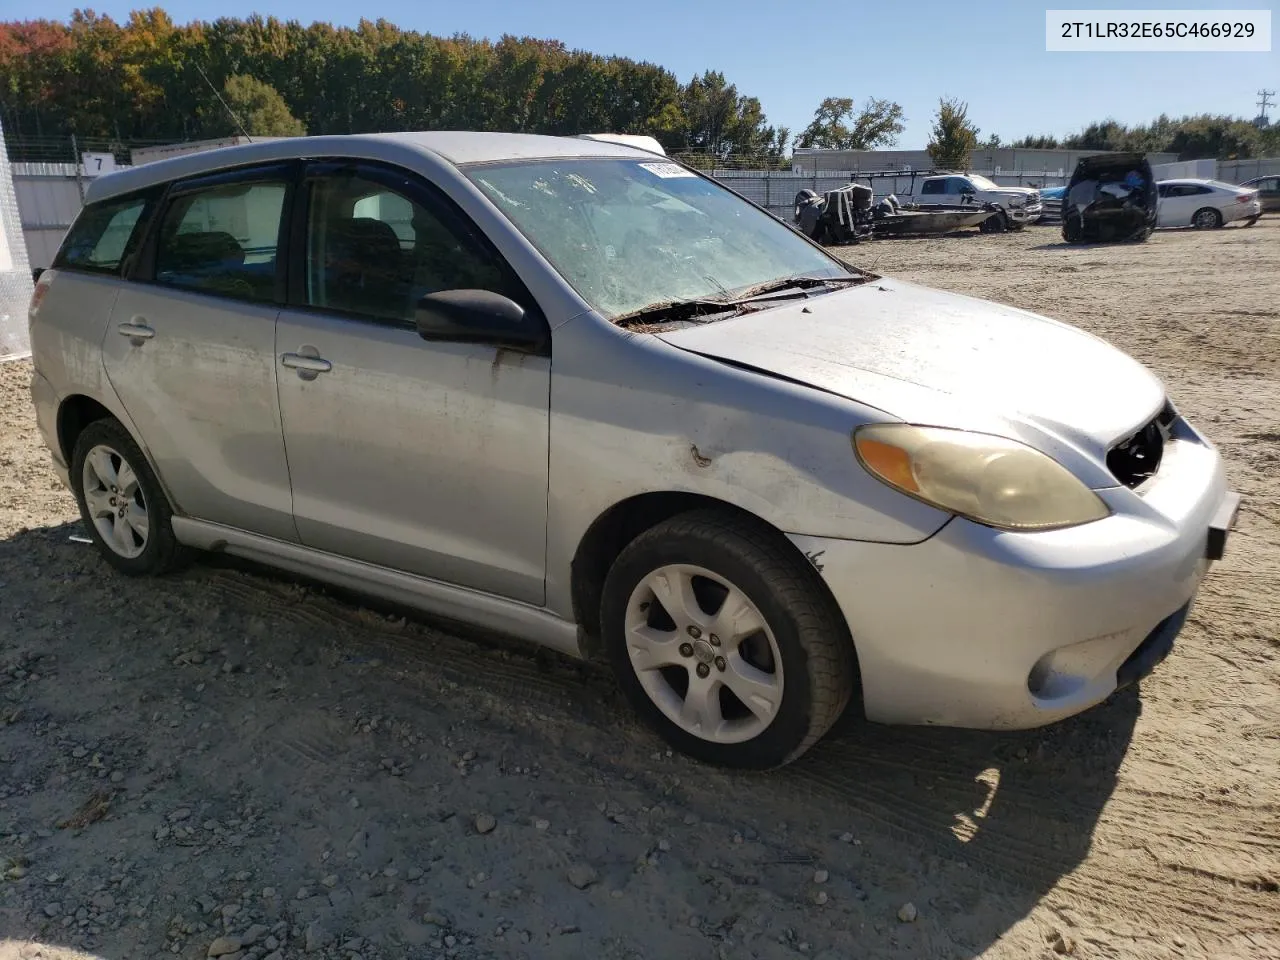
(976, 627)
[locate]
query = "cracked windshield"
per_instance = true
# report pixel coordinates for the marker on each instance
(628, 235)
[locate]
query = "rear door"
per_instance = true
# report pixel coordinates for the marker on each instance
(424, 457)
(191, 342)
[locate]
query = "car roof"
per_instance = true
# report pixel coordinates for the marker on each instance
(455, 147)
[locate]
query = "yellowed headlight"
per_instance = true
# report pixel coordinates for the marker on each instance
(992, 480)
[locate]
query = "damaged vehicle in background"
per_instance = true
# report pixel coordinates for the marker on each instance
(759, 482)
(1111, 198)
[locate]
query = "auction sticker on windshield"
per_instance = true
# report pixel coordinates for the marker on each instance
(668, 171)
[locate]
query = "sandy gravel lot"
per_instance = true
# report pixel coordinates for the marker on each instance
(235, 764)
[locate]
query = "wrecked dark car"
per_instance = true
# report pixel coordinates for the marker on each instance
(1111, 198)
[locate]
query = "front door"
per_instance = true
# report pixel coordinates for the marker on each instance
(425, 457)
(190, 349)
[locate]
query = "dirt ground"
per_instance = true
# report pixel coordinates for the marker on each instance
(228, 754)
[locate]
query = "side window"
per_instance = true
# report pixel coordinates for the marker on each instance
(375, 251)
(1163, 190)
(932, 186)
(104, 234)
(959, 185)
(222, 240)
(1201, 188)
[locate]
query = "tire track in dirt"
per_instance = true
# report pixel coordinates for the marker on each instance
(865, 778)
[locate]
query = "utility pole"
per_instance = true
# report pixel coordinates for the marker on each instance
(1264, 101)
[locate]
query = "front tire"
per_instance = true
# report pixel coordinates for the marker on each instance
(725, 641)
(996, 223)
(121, 502)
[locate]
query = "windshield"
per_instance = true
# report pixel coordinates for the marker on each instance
(983, 183)
(631, 234)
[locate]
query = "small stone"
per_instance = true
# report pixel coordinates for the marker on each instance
(354, 944)
(317, 937)
(541, 824)
(52, 909)
(846, 838)
(230, 910)
(274, 955)
(582, 875)
(253, 935)
(355, 802)
(485, 823)
(907, 913)
(1061, 943)
(664, 845)
(1179, 942)
(224, 946)
(79, 752)
(180, 814)
(117, 776)
(820, 897)
(413, 873)
(271, 943)
(330, 881)
(268, 893)
(820, 876)
(16, 872)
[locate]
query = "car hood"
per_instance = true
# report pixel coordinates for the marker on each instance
(938, 358)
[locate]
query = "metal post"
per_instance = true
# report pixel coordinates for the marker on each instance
(75, 158)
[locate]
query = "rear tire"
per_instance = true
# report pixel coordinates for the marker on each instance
(1073, 228)
(753, 684)
(1206, 218)
(122, 504)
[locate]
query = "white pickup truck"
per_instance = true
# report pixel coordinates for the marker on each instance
(1019, 206)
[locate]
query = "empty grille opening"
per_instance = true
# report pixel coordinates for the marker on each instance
(1136, 459)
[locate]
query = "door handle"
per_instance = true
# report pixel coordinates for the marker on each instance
(135, 330)
(301, 362)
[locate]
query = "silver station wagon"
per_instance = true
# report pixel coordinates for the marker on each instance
(577, 392)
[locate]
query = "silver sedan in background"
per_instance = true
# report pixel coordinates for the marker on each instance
(1206, 204)
(577, 392)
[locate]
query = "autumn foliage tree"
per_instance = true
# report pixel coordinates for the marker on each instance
(141, 79)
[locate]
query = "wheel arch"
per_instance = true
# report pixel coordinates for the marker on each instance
(610, 533)
(74, 414)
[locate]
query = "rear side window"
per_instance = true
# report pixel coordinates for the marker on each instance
(223, 241)
(104, 235)
(932, 186)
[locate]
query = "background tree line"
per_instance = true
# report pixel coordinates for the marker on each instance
(145, 80)
(141, 80)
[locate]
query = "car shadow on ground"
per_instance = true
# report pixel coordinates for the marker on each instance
(972, 829)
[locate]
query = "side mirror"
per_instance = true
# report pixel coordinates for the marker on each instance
(35, 273)
(478, 316)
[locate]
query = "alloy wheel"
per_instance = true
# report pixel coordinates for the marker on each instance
(704, 653)
(117, 505)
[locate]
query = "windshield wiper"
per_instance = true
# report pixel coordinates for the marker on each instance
(698, 309)
(795, 283)
(672, 310)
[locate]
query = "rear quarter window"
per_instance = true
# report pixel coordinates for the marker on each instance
(105, 235)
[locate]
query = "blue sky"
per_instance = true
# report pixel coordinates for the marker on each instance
(791, 55)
